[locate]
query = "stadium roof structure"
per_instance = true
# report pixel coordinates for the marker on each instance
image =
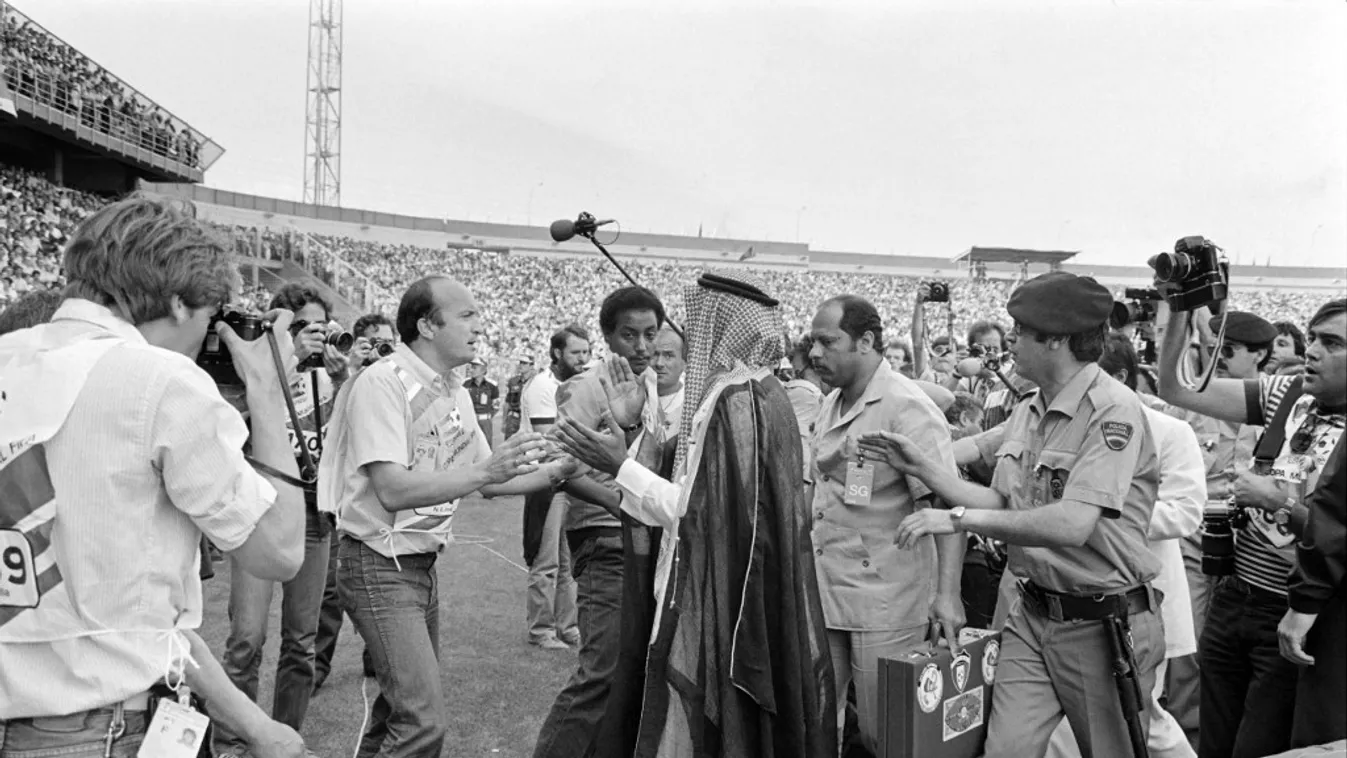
(1053, 258)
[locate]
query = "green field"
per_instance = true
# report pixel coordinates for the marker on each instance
(498, 688)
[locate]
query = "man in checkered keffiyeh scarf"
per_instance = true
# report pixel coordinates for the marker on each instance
(732, 326)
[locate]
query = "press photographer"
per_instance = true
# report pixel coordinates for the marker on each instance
(108, 423)
(1248, 689)
(318, 368)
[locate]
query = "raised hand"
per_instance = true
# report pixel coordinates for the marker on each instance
(625, 391)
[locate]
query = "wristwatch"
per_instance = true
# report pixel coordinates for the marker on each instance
(956, 517)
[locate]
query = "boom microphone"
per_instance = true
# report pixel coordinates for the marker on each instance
(584, 225)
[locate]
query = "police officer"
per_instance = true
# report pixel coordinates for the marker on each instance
(1072, 492)
(485, 396)
(514, 391)
(1227, 447)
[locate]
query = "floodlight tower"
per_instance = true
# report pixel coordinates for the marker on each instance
(322, 123)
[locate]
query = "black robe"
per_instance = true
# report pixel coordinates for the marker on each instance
(740, 666)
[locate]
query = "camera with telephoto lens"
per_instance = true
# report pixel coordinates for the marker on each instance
(1138, 309)
(1220, 521)
(1195, 266)
(936, 292)
(337, 337)
(214, 355)
(379, 348)
(990, 356)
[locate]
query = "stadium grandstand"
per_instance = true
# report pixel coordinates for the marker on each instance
(73, 135)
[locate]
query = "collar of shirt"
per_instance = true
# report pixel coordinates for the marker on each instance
(1068, 400)
(874, 392)
(427, 376)
(78, 309)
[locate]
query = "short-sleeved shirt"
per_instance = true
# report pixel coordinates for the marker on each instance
(400, 411)
(865, 581)
(1265, 553)
(539, 400)
(1092, 446)
(301, 390)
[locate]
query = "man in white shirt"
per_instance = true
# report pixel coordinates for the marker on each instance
(550, 612)
(119, 453)
(403, 449)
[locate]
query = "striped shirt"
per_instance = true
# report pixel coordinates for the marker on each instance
(1265, 555)
(149, 457)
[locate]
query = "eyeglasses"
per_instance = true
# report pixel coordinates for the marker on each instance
(940, 351)
(1304, 436)
(1227, 350)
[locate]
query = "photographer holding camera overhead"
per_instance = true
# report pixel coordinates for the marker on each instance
(118, 454)
(314, 374)
(1248, 689)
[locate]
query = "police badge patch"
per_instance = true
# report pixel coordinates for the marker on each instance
(1116, 434)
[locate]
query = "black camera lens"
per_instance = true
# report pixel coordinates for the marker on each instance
(1218, 541)
(343, 341)
(1172, 267)
(383, 349)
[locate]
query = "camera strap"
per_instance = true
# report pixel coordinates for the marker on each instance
(308, 470)
(1274, 431)
(1212, 359)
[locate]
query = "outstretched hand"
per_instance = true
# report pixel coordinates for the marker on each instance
(896, 450)
(603, 452)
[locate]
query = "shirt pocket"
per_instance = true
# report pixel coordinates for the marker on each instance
(1052, 474)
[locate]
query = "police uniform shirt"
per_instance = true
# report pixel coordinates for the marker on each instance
(1092, 445)
(484, 393)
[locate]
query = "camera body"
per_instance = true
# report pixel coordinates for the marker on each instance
(1139, 308)
(1198, 272)
(991, 357)
(214, 355)
(379, 348)
(337, 337)
(937, 292)
(1220, 521)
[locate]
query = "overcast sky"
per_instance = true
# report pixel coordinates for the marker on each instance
(890, 127)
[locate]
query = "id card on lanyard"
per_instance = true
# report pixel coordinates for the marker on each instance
(860, 481)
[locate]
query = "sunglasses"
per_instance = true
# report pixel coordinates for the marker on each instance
(1227, 350)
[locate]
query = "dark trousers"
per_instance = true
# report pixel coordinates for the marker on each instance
(1248, 688)
(249, 606)
(574, 719)
(979, 586)
(1321, 693)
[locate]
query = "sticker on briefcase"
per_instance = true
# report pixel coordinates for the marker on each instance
(990, 655)
(930, 688)
(958, 669)
(963, 713)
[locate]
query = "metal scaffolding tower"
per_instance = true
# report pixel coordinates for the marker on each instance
(322, 123)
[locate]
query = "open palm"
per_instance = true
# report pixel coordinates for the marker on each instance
(626, 392)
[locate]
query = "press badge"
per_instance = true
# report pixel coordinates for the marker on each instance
(860, 482)
(176, 731)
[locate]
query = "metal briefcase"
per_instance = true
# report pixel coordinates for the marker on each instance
(935, 705)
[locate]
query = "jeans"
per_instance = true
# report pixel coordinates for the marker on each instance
(551, 593)
(79, 735)
(249, 604)
(1243, 673)
(329, 620)
(855, 657)
(397, 613)
(574, 718)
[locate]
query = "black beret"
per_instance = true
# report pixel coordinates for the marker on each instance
(1245, 328)
(1061, 303)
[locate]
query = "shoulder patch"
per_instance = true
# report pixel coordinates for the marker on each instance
(1116, 434)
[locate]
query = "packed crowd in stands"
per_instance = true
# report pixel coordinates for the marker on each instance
(42, 67)
(525, 298)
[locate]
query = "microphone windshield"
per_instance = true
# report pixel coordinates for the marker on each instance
(562, 230)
